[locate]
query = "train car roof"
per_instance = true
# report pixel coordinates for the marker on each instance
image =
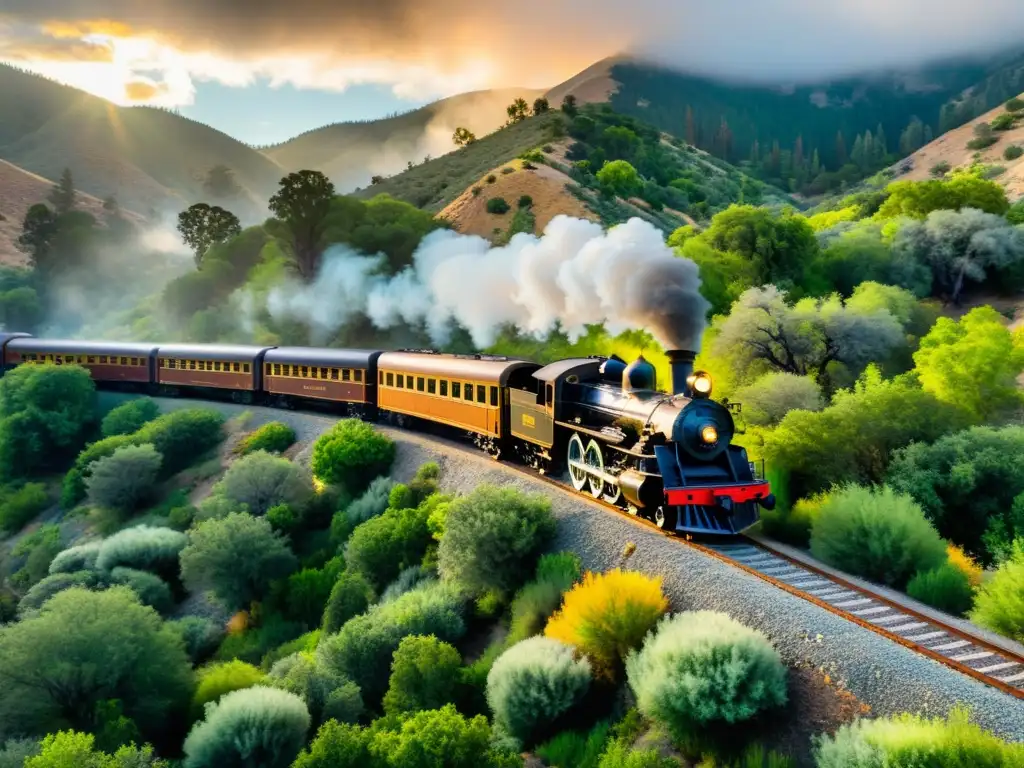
(211, 351)
(78, 347)
(323, 356)
(483, 368)
(584, 367)
(5, 337)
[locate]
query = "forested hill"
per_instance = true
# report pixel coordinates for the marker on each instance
(815, 138)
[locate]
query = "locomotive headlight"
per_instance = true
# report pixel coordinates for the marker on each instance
(699, 384)
(709, 435)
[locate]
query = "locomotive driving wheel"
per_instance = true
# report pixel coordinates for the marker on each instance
(574, 455)
(595, 459)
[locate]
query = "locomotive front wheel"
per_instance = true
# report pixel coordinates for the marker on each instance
(595, 459)
(658, 518)
(574, 454)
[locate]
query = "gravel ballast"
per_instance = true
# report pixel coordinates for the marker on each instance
(880, 673)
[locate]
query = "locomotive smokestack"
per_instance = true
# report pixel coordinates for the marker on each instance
(681, 361)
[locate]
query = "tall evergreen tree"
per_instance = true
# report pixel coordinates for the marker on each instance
(691, 128)
(62, 195)
(841, 156)
(815, 165)
(882, 141)
(857, 153)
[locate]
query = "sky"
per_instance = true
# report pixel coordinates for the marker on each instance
(263, 70)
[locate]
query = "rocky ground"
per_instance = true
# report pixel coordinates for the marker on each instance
(839, 668)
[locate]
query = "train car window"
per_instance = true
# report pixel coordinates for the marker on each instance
(468, 393)
(431, 386)
(419, 383)
(305, 371)
(124, 361)
(323, 373)
(191, 365)
(358, 375)
(401, 381)
(444, 388)
(494, 396)
(135, 361)
(481, 393)
(277, 369)
(391, 379)
(457, 389)
(216, 366)
(334, 374)
(346, 374)
(245, 368)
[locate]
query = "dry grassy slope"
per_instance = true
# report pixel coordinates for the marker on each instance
(351, 153)
(547, 186)
(146, 157)
(951, 147)
(20, 190)
(592, 85)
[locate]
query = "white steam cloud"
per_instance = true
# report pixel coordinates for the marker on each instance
(576, 274)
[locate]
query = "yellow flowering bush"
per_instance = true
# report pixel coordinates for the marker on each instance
(964, 563)
(607, 615)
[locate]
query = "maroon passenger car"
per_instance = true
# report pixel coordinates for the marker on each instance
(106, 361)
(216, 366)
(338, 375)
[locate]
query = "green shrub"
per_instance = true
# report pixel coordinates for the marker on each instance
(982, 142)
(408, 580)
(619, 754)
(383, 546)
(14, 752)
(1003, 122)
(181, 518)
(38, 548)
(877, 534)
(326, 693)
(418, 490)
(128, 418)
(508, 169)
(151, 589)
(946, 588)
(911, 740)
(219, 678)
(237, 557)
(253, 644)
(999, 603)
(19, 507)
(525, 201)
(273, 437)
(73, 489)
(492, 536)
(256, 726)
(498, 206)
(201, 636)
(372, 503)
(1014, 105)
(303, 643)
(1013, 152)
(70, 748)
(182, 437)
(125, 479)
(534, 682)
(793, 526)
(491, 179)
(362, 650)
(579, 750)
(424, 675)
(702, 667)
(261, 480)
(940, 169)
(143, 548)
(337, 746)
(536, 601)
(308, 591)
(51, 585)
(448, 738)
(351, 454)
(81, 557)
(350, 596)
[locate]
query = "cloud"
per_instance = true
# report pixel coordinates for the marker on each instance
(439, 47)
(58, 49)
(143, 90)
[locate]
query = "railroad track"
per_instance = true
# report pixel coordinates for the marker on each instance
(991, 664)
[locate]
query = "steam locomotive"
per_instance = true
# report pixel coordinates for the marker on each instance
(666, 457)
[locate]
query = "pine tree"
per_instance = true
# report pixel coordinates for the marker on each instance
(841, 156)
(928, 136)
(776, 159)
(881, 141)
(857, 153)
(62, 195)
(815, 165)
(798, 153)
(691, 128)
(913, 137)
(755, 152)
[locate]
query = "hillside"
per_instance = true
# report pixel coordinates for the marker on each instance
(351, 153)
(147, 158)
(951, 150)
(594, 85)
(20, 190)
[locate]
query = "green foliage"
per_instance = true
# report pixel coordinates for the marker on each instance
(129, 417)
(144, 548)
(492, 536)
(350, 596)
(621, 755)
(19, 506)
(237, 557)
(67, 749)
(911, 740)
(274, 437)
(50, 585)
(702, 667)
(219, 678)
(78, 558)
(253, 644)
(327, 694)
(362, 649)
(337, 745)
(373, 502)
(965, 482)
(878, 534)
(46, 414)
(86, 647)
(498, 205)
(1014, 105)
(383, 546)
(525, 201)
(201, 636)
(14, 752)
(769, 398)
(255, 726)
(150, 588)
(793, 525)
(973, 363)
(946, 588)
(919, 198)
(424, 675)
(302, 207)
(38, 548)
(351, 454)
(534, 682)
(620, 177)
(854, 439)
(1013, 152)
(440, 738)
(999, 603)
(579, 750)
(122, 481)
(308, 591)
(183, 436)
(74, 489)
(202, 226)
(261, 480)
